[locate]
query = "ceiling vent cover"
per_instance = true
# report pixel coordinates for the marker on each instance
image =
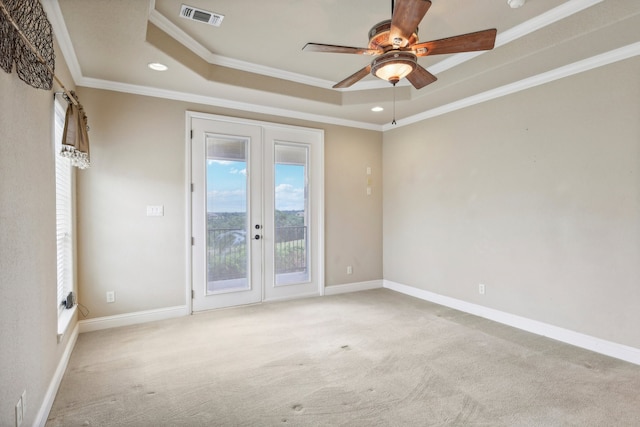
(195, 14)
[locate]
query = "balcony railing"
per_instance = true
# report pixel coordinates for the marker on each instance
(291, 249)
(227, 256)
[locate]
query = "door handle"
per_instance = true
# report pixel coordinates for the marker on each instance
(257, 237)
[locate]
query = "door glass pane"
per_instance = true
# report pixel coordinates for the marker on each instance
(291, 249)
(227, 244)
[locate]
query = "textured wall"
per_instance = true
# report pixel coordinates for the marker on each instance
(138, 154)
(353, 220)
(536, 195)
(29, 352)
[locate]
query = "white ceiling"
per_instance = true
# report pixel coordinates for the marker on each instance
(254, 60)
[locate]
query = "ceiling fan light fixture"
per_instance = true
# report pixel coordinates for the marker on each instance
(393, 66)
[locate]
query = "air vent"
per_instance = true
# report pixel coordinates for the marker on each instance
(195, 14)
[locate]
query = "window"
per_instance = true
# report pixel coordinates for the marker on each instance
(64, 214)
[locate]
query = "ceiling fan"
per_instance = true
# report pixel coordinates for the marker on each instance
(394, 43)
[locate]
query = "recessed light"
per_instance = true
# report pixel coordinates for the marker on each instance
(377, 109)
(156, 66)
(515, 3)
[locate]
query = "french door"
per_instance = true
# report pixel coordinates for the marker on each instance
(256, 211)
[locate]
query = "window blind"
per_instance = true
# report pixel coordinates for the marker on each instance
(64, 212)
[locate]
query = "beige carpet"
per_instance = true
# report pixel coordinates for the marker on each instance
(375, 358)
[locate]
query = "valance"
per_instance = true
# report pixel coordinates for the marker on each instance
(75, 138)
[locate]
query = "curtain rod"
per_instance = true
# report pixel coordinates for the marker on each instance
(64, 95)
(36, 53)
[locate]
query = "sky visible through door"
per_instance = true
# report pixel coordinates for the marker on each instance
(226, 187)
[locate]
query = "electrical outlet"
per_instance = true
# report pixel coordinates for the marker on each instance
(481, 289)
(111, 296)
(349, 269)
(19, 413)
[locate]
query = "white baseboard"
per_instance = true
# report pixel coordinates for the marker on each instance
(608, 348)
(52, 390)
(353, 287)
(135, 318)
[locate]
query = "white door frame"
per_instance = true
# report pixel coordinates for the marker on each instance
(317, 180)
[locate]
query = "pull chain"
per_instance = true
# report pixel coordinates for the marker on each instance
(394, 105)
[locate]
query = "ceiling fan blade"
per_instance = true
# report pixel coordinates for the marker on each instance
(329, 48)
(355, 77)
(407, 15)
(420, 77)
(480, 40)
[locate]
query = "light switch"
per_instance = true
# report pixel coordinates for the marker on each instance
(155, 210)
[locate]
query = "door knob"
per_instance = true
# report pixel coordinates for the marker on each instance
(257, 237)
(257, 226)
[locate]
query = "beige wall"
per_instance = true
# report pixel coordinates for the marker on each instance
(29, 353)
(353, 220)
(138, 155)
(536, 195)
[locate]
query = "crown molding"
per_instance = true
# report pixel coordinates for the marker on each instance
(596, 61)
(52, 9)
(220, 102)
(160, 21)
(504, 37)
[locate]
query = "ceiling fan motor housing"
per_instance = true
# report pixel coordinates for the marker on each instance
(379, 37)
